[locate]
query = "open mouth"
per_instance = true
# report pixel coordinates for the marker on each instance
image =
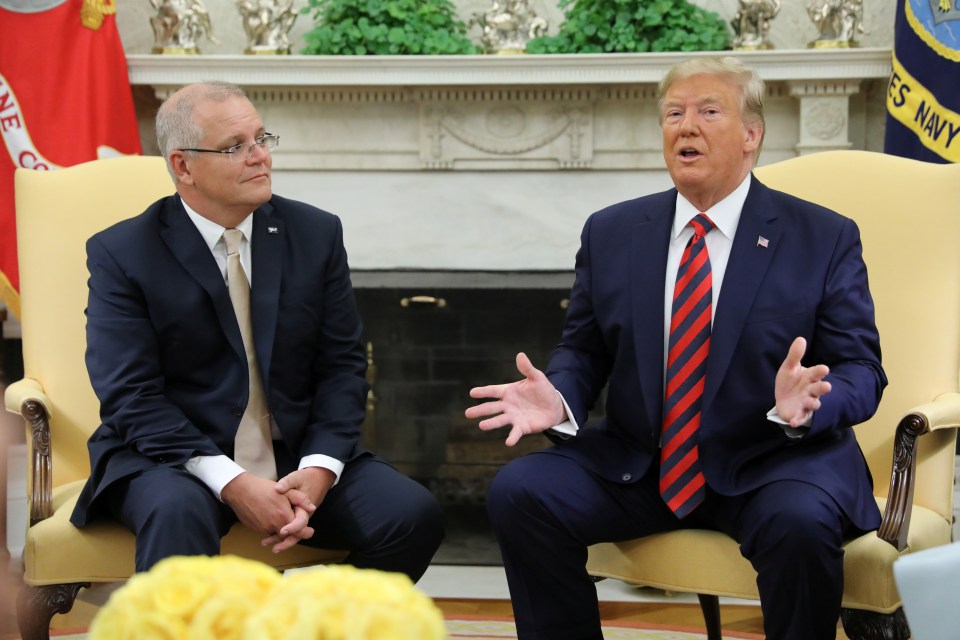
(689, 154)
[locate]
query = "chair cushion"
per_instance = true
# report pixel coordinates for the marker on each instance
(56, 552)
(713, 565)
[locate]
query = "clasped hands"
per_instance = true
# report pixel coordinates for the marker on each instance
(280, 510)
(532, 405)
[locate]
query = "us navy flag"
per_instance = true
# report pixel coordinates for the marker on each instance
(923, 95)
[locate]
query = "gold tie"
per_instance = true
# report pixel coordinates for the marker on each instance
(253, 447)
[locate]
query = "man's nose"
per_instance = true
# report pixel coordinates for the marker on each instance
(688, 122)
(257, 154)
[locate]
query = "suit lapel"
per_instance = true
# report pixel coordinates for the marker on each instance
(746, 269)
(267, 256)
(651, 239)
(187, 246)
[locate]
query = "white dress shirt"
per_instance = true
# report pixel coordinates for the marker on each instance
(217, 471)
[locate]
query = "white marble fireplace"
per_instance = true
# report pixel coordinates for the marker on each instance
(471, 164)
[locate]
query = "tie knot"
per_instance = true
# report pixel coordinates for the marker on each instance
(233, 238)
(702, 224)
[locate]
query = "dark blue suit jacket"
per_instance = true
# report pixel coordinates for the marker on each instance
(166, 358)
(810, 281)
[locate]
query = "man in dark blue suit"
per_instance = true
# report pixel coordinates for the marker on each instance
(780, 359)
(168, 360)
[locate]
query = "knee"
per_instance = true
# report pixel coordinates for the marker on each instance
(419, 518)
(803, 534)
(181, 512)
(510, 493)
(428, 521)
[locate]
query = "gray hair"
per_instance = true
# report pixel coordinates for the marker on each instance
(752, 88)
(176, 128)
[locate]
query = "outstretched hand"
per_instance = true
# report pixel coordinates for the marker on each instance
(798, 389)
(531, 405)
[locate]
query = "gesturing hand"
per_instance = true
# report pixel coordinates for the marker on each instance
(531, 405)
(798, 388)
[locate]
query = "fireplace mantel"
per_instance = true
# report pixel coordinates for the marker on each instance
(524, 70)
(491, 163)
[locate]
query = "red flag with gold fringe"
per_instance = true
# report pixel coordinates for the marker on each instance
(64, 99)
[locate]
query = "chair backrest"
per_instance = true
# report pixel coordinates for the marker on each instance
(57, 211)
(909, 218)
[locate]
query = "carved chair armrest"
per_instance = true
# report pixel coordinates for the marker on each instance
(27, 398)
(942, 413)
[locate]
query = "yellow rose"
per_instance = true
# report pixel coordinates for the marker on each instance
(198, 598)
(221, 618)
(343, 603)
(178, 596)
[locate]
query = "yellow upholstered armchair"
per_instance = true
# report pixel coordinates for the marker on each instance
(909, 217)
(56, 212)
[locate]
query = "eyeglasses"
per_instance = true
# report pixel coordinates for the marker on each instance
(239, 152)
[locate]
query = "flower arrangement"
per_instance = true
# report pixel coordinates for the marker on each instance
(230, 598)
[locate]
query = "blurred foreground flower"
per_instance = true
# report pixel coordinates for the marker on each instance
(230, 598)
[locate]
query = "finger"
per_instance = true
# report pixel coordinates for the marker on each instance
(270, 540)
(515, 434)
(494, 423)
(300, 519)
(795, 353)
(298, 498)
(285, 544)
(485, 409)
(818, 372)
(292, 480)
(489, 391)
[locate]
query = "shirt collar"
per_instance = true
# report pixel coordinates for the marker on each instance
(211, 231)
(725, 214)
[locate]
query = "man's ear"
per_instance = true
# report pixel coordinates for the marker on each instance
(178, 162)
(753, 136)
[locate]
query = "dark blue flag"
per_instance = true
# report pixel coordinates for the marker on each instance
(923, 96)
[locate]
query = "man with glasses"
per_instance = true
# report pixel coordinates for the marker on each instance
(224, 344)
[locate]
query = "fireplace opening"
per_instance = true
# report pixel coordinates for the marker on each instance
(428, 345)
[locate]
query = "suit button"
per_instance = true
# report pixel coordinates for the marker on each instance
(626, 477)
(237, 411)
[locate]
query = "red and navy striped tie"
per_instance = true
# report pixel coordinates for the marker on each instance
(681, 479)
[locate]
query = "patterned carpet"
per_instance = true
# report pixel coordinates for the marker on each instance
(476, 628)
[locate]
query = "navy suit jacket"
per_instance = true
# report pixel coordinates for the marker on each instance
(809, 280)
(165, 355)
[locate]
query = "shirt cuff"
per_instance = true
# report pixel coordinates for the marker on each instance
(791, 432)
(214, 471)
(324, 462)
(569, 427)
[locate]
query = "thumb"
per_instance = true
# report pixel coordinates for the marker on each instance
(795, 353)
(525, 367)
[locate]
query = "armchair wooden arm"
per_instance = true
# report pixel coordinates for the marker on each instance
(26, 397)
(942, 413)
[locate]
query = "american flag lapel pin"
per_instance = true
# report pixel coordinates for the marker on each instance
(762, 242)
(273, 231)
